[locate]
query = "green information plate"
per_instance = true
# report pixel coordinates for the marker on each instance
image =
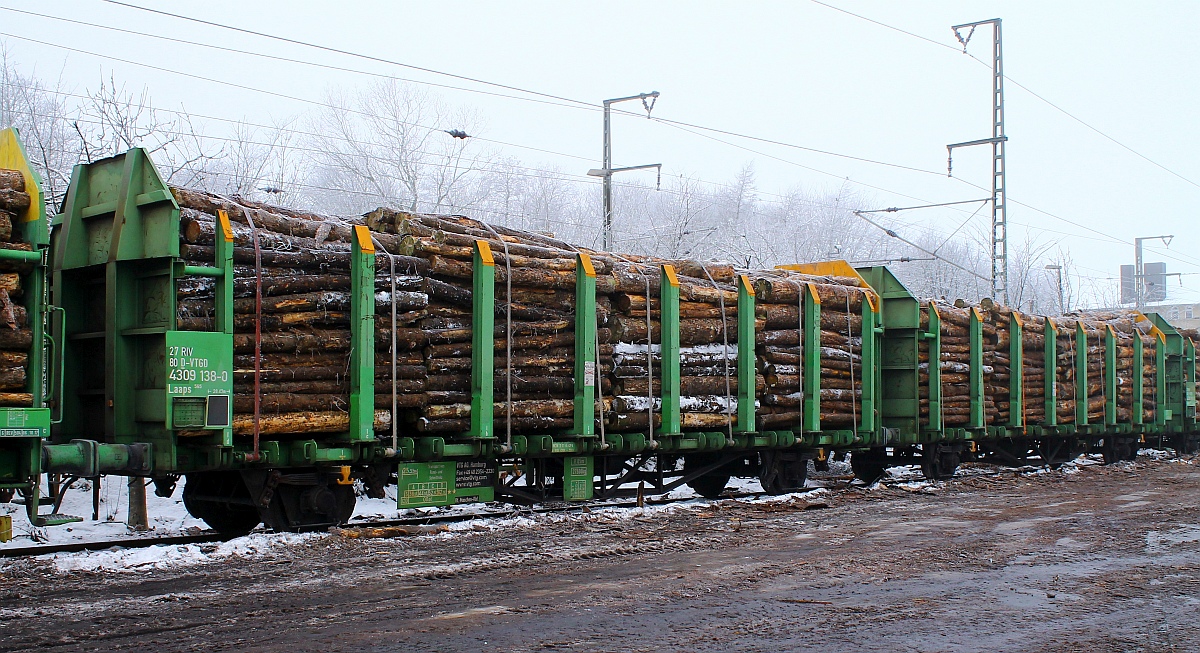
(199, 379)
(445, 483)
(577, 478)
(24, 422)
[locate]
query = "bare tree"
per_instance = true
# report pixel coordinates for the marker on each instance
(42, 115)
(114, 119)
(260, 163)
(390, 144)
(1027, 285)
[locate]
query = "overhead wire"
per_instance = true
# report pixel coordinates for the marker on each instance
(684, 126)
(263, 55)
(687, 127)
(349, 53)
(897, 236)
(243, 87)
(1018, 85)
(576, 103)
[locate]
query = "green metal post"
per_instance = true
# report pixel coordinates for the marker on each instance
(1139, 379)
(934, 336)
(812, 360)
(1051, 381)
(1110, 376)
(975, 378)
(1160, 378)
(1081, 376)
(36, 289)
(745, 360)
(224, 283)
(26, 429)
(362, 336)
(1189, 383)
(869, 367)
(223, 291)
(669, 348)
(585, 346)
(483, 355)
(1016, 371)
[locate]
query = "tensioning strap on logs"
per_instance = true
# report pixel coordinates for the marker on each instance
(724, 355)
(1016, 371)
(254, 455)
(395, 315)
(801, 295)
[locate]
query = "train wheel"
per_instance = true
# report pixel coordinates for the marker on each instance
(308, 505)
(711, 484)
(1117, 450)
(869, 465)
(6, 496)
(222, 501)
(1185, 445)
(1054, 453)
(938, 464)
(782, 473)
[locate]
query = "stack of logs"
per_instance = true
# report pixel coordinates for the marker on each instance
(628, 334)
(305, 334)
(305, 331)
(305, 314)
(1129, 333)
(955, 364)
(997, 330)
(708, 339)
(534, 331)
(1067, 389)
(997, 375)
(1033, 356)
(16, 334)
(781, 354)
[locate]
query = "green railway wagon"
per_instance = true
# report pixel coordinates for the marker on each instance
(24, 415)
(131, 390)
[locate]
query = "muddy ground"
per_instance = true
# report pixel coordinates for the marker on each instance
(1093, 560)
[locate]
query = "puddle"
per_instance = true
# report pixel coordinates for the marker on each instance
(1157, 541)
(492, 609)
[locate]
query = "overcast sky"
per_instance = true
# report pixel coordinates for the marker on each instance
(795, 72)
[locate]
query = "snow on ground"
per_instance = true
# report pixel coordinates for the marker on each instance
(162, 556)
(167, 516)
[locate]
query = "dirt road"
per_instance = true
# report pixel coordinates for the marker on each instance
(1095, 560)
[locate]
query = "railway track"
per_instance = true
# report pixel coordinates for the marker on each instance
(209, 536)
(839, 482)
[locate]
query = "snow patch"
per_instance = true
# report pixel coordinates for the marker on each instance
(171, 556)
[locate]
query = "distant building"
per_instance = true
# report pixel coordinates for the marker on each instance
(1186, 316)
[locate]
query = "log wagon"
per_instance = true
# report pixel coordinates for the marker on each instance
(274, 358)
